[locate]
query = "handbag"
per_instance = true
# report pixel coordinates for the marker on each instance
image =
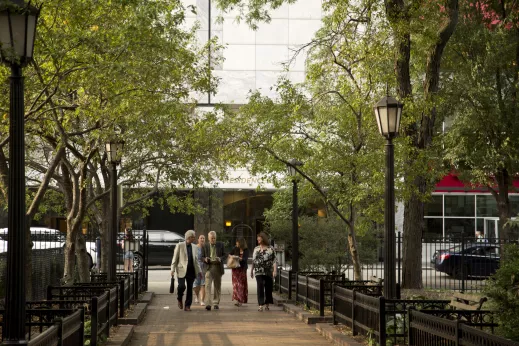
(233, 262)
(172, 285)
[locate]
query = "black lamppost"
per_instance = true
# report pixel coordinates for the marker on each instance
(292, 164)
(17, 32)
(388, 112)
(114, 151)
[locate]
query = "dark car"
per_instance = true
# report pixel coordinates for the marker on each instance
(475, 260)
(160, 247)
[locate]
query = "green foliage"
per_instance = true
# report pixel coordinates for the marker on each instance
(503, 289)
(322, 241)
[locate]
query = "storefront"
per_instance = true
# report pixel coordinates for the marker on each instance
(457, 208)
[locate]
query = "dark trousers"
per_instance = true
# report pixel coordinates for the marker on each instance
(182, 287)
(264, 283)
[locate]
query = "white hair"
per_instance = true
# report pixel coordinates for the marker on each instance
(212, 233)
(190, 233)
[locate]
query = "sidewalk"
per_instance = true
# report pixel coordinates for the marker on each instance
(228, 326)
(165, 324)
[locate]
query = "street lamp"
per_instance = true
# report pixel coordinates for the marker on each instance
(114, 151)
(17, 32)
(388, 112)
(292, 165)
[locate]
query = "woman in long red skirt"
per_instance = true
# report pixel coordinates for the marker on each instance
(240, 289)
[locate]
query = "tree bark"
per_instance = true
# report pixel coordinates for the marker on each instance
(412, 239)
(420, 134)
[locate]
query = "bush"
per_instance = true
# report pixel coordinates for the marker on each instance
(503, 289)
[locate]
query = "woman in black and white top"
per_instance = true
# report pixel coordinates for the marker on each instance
(265, 268)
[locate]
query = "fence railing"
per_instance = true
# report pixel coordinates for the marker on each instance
(315, 290)
(63, 327)
(102, 303)
(124, 282)
(387, 319)
(286, 282)
(425, 328)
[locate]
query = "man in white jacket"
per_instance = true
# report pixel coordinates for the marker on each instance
(185, 264)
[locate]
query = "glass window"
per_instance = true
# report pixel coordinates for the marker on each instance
(487, 206)
(434, 206)
(455, 228)
(433, 229)
(173, 237)
(514, 204)
(155, 237)
(461, 205)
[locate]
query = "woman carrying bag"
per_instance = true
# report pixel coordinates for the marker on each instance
(264, 266)
(238, 262)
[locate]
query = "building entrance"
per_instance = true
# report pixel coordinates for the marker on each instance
(245, 231)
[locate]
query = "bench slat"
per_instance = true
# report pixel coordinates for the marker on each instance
(463, 306)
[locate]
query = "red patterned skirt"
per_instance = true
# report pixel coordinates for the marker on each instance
(240, 289)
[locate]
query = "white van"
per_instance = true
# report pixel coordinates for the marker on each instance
(46, 238)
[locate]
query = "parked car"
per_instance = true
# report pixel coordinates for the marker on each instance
(47, 238)
(475, 260)
(161, 245)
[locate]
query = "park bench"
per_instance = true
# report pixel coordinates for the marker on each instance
(464, 301)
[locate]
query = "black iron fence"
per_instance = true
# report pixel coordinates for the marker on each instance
(315, 289)
(387, 319)
(427, 328)
(456, 263)
(67, 331)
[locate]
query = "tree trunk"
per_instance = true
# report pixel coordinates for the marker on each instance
(503, 203)
(83, 263)
(352, 242)
(412, 238)
(70, 260)
(105, 234)
(357, 270)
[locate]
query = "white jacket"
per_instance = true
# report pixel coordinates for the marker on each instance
(179, 261)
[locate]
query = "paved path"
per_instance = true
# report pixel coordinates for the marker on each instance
(165, 324)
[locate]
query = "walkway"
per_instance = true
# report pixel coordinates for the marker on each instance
(165, 324)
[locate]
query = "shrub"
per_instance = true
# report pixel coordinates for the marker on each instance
(503, 289)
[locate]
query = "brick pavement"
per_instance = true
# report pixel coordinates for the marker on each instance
(228, 326)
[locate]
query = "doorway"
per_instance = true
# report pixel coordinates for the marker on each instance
(491, 228)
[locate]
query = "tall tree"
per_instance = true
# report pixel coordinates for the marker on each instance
(421, 31)
(481, 144)
(100, 65)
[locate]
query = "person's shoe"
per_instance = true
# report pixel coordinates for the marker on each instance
(267, 307)
(260, 308)
(216, 307)
(187, 308)
(196, 299)
(202, 303)
(208, 307)
(180, 305)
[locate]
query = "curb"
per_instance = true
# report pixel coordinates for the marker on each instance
(136, 316)
(122, 337)
(330, 333)
(278, 300)
(125, 328)
(305, 317)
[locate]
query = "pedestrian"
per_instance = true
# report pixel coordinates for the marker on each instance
(128, 254)
(185, 264)
(264, 266)
(480, 238)
(199, 284)
(239, 275)
(213, 255)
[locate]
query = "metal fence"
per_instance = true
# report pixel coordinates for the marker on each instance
(47, 269)
(427, 329)
(460, 264)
